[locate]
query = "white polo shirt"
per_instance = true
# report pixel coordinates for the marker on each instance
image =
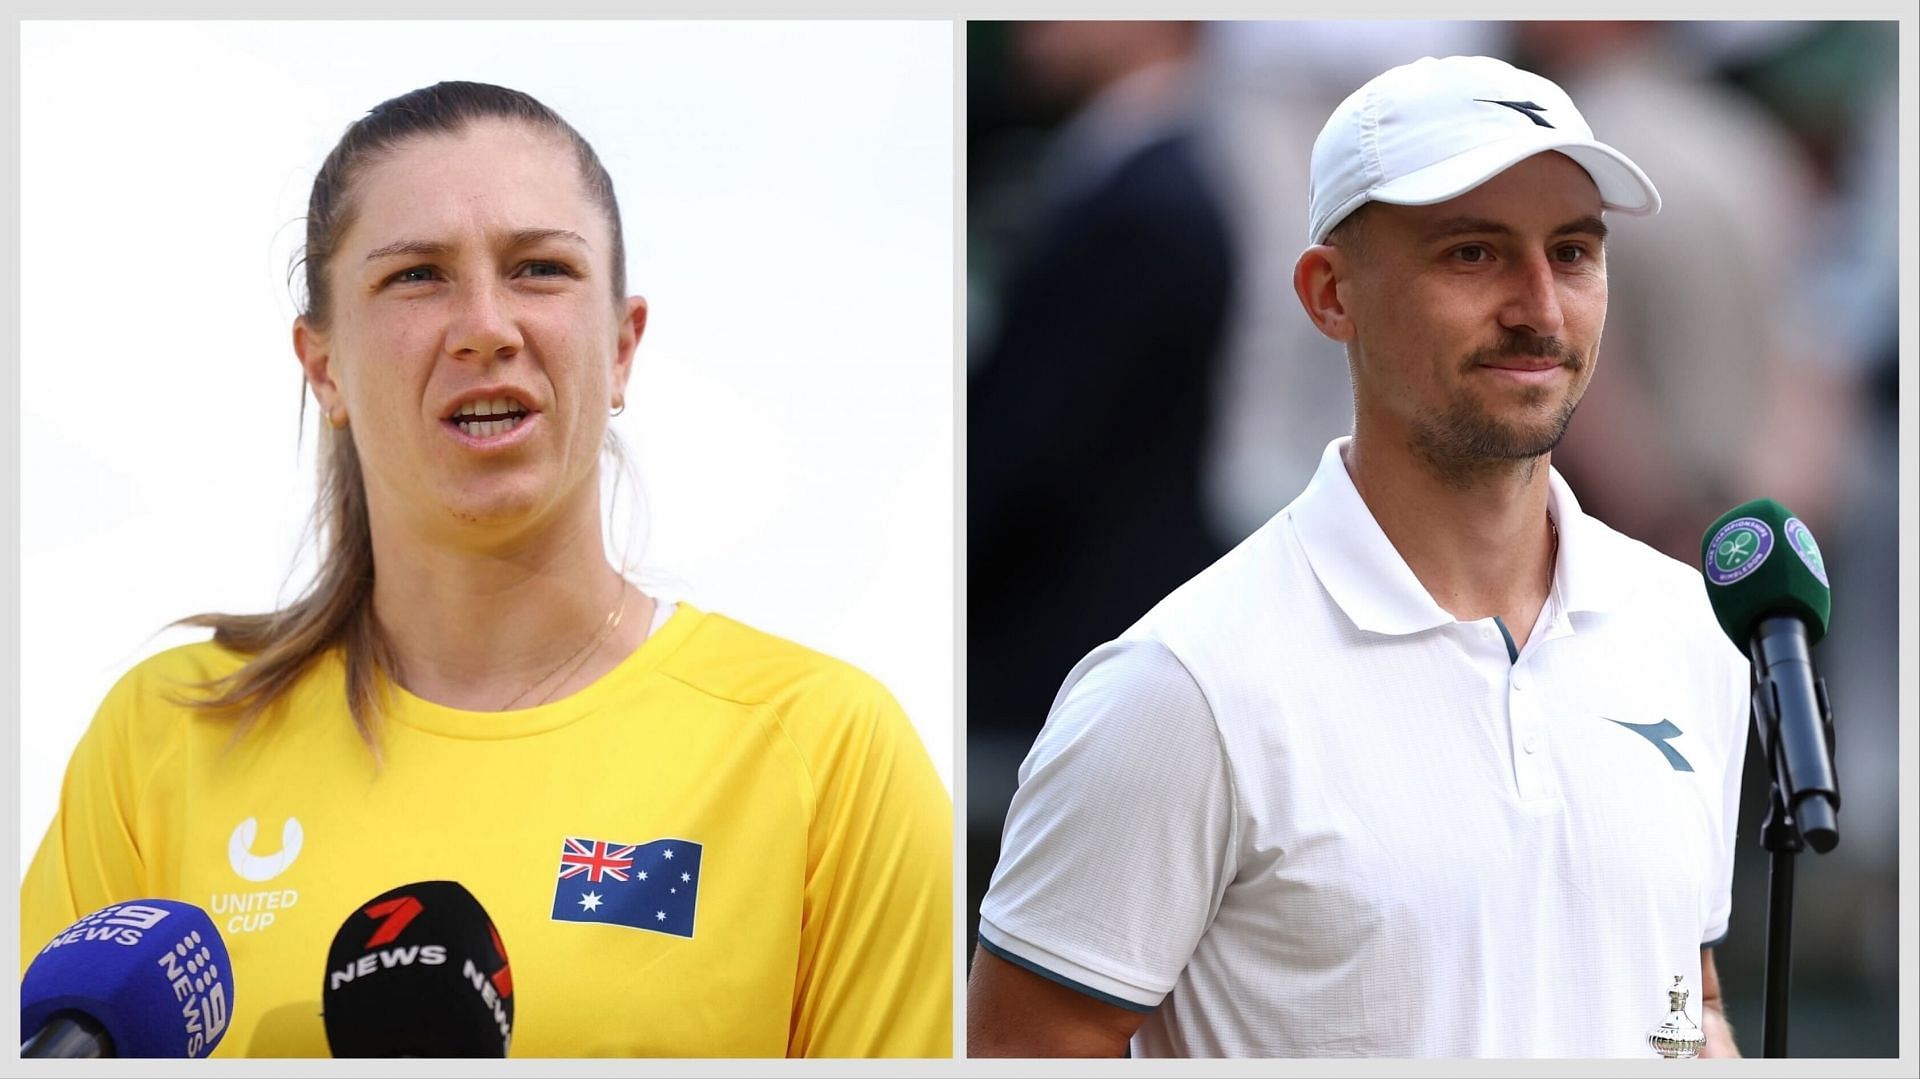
(1300, 810)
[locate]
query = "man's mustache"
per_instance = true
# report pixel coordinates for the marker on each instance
(1527, 346)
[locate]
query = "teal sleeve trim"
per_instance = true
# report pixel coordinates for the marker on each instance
(1513, 652)
(1029, 965)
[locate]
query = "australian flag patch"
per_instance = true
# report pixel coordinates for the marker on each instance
(648, 886)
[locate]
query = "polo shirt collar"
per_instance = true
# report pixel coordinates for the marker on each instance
(1593, 571)
(1356, 563)
(1363, 572)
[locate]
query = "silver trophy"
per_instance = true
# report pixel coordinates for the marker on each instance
(1677, 1036)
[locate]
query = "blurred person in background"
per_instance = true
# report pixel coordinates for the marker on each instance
(1088, 405)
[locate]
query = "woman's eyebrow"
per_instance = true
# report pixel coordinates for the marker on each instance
(517, 238)
(529, 237)
(407, 247)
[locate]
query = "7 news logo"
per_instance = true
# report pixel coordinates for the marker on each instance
(393, 915)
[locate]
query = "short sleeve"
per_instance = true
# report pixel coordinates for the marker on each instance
(89, 857)
(876, 945)
(1738, 710)
(1119, 840)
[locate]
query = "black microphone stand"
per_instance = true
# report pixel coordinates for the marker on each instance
(1781, 838)
(1781, 835)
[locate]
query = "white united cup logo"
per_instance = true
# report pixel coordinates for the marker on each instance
(257, 910)
(263, 867)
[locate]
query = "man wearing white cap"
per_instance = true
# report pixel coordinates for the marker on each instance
(1432, 764)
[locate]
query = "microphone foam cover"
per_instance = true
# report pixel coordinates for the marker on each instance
(418, 971)
(1759, 560)
(153, 972)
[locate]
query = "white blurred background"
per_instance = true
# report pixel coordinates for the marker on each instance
(788, 201)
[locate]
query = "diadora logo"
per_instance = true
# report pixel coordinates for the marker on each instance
(1525, 108)
(1661, 735)
(257, 867)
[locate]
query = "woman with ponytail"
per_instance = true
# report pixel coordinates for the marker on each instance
(691, 837)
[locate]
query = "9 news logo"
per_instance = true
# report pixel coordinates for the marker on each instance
(200, 990)
(122, 923)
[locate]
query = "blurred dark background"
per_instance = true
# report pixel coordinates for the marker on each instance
(1144, 390)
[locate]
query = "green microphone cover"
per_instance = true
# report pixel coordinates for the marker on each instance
(1759, 560)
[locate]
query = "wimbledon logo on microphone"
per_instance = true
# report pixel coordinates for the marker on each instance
(1801, 540)
(1738, 549)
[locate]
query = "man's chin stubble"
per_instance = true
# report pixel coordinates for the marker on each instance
(1465, 447)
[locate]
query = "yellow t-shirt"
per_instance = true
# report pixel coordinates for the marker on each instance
(820, 920)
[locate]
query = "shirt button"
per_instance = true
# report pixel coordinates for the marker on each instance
(1530, 743)
(1519, 683)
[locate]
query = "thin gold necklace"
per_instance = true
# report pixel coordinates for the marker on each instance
(1553, 555)
(581, 654)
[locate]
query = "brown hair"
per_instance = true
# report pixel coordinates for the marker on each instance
(337, 608)
(1351, 232)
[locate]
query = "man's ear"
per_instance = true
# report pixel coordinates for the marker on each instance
(313, 347)
(1317, 278)
(633, 324)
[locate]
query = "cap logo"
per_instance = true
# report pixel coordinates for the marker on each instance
(1738, 549)
(1525, 108)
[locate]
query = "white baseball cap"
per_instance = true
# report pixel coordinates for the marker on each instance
(1433, 130)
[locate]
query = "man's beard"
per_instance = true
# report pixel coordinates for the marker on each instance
(1463, 441)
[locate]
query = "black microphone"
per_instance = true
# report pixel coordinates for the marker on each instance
(145, 978)
(1768, 586)
(418, 971)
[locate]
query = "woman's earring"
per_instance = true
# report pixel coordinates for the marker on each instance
(337, 417)
(618, 408)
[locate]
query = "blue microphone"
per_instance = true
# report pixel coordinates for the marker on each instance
(145, 978)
